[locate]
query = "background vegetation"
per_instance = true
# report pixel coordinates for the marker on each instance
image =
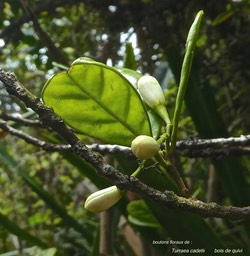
(42, 194)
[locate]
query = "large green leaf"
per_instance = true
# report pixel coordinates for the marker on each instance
(98, 101)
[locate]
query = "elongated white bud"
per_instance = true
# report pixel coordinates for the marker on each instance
(103, 199)
(151, 91)
(152, 94)
(144, 147)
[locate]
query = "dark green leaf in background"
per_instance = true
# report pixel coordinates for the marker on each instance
(139, 214)
(129, 58)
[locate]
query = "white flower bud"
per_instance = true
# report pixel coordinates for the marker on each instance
(151, 91)
(152, 94)
(103, 199)
(144, 147)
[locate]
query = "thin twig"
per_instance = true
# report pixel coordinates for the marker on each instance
(232, 146)
(31, 140)
(21, 120)
(167, 198)
(214, 147)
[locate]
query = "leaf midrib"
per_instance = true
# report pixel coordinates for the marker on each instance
(128, 127)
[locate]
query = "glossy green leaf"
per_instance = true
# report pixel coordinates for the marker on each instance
(98, 101)
(131, 75)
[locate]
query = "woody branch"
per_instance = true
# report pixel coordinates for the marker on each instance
(166, 198)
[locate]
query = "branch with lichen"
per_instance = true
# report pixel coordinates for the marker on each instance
(192, 148)
(125, 182)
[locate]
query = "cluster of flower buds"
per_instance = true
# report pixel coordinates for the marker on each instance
(103, 199)
(143, 146)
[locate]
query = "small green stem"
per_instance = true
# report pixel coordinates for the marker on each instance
(166, 115)
(139, 169)
(163, 138)
(185, 72)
